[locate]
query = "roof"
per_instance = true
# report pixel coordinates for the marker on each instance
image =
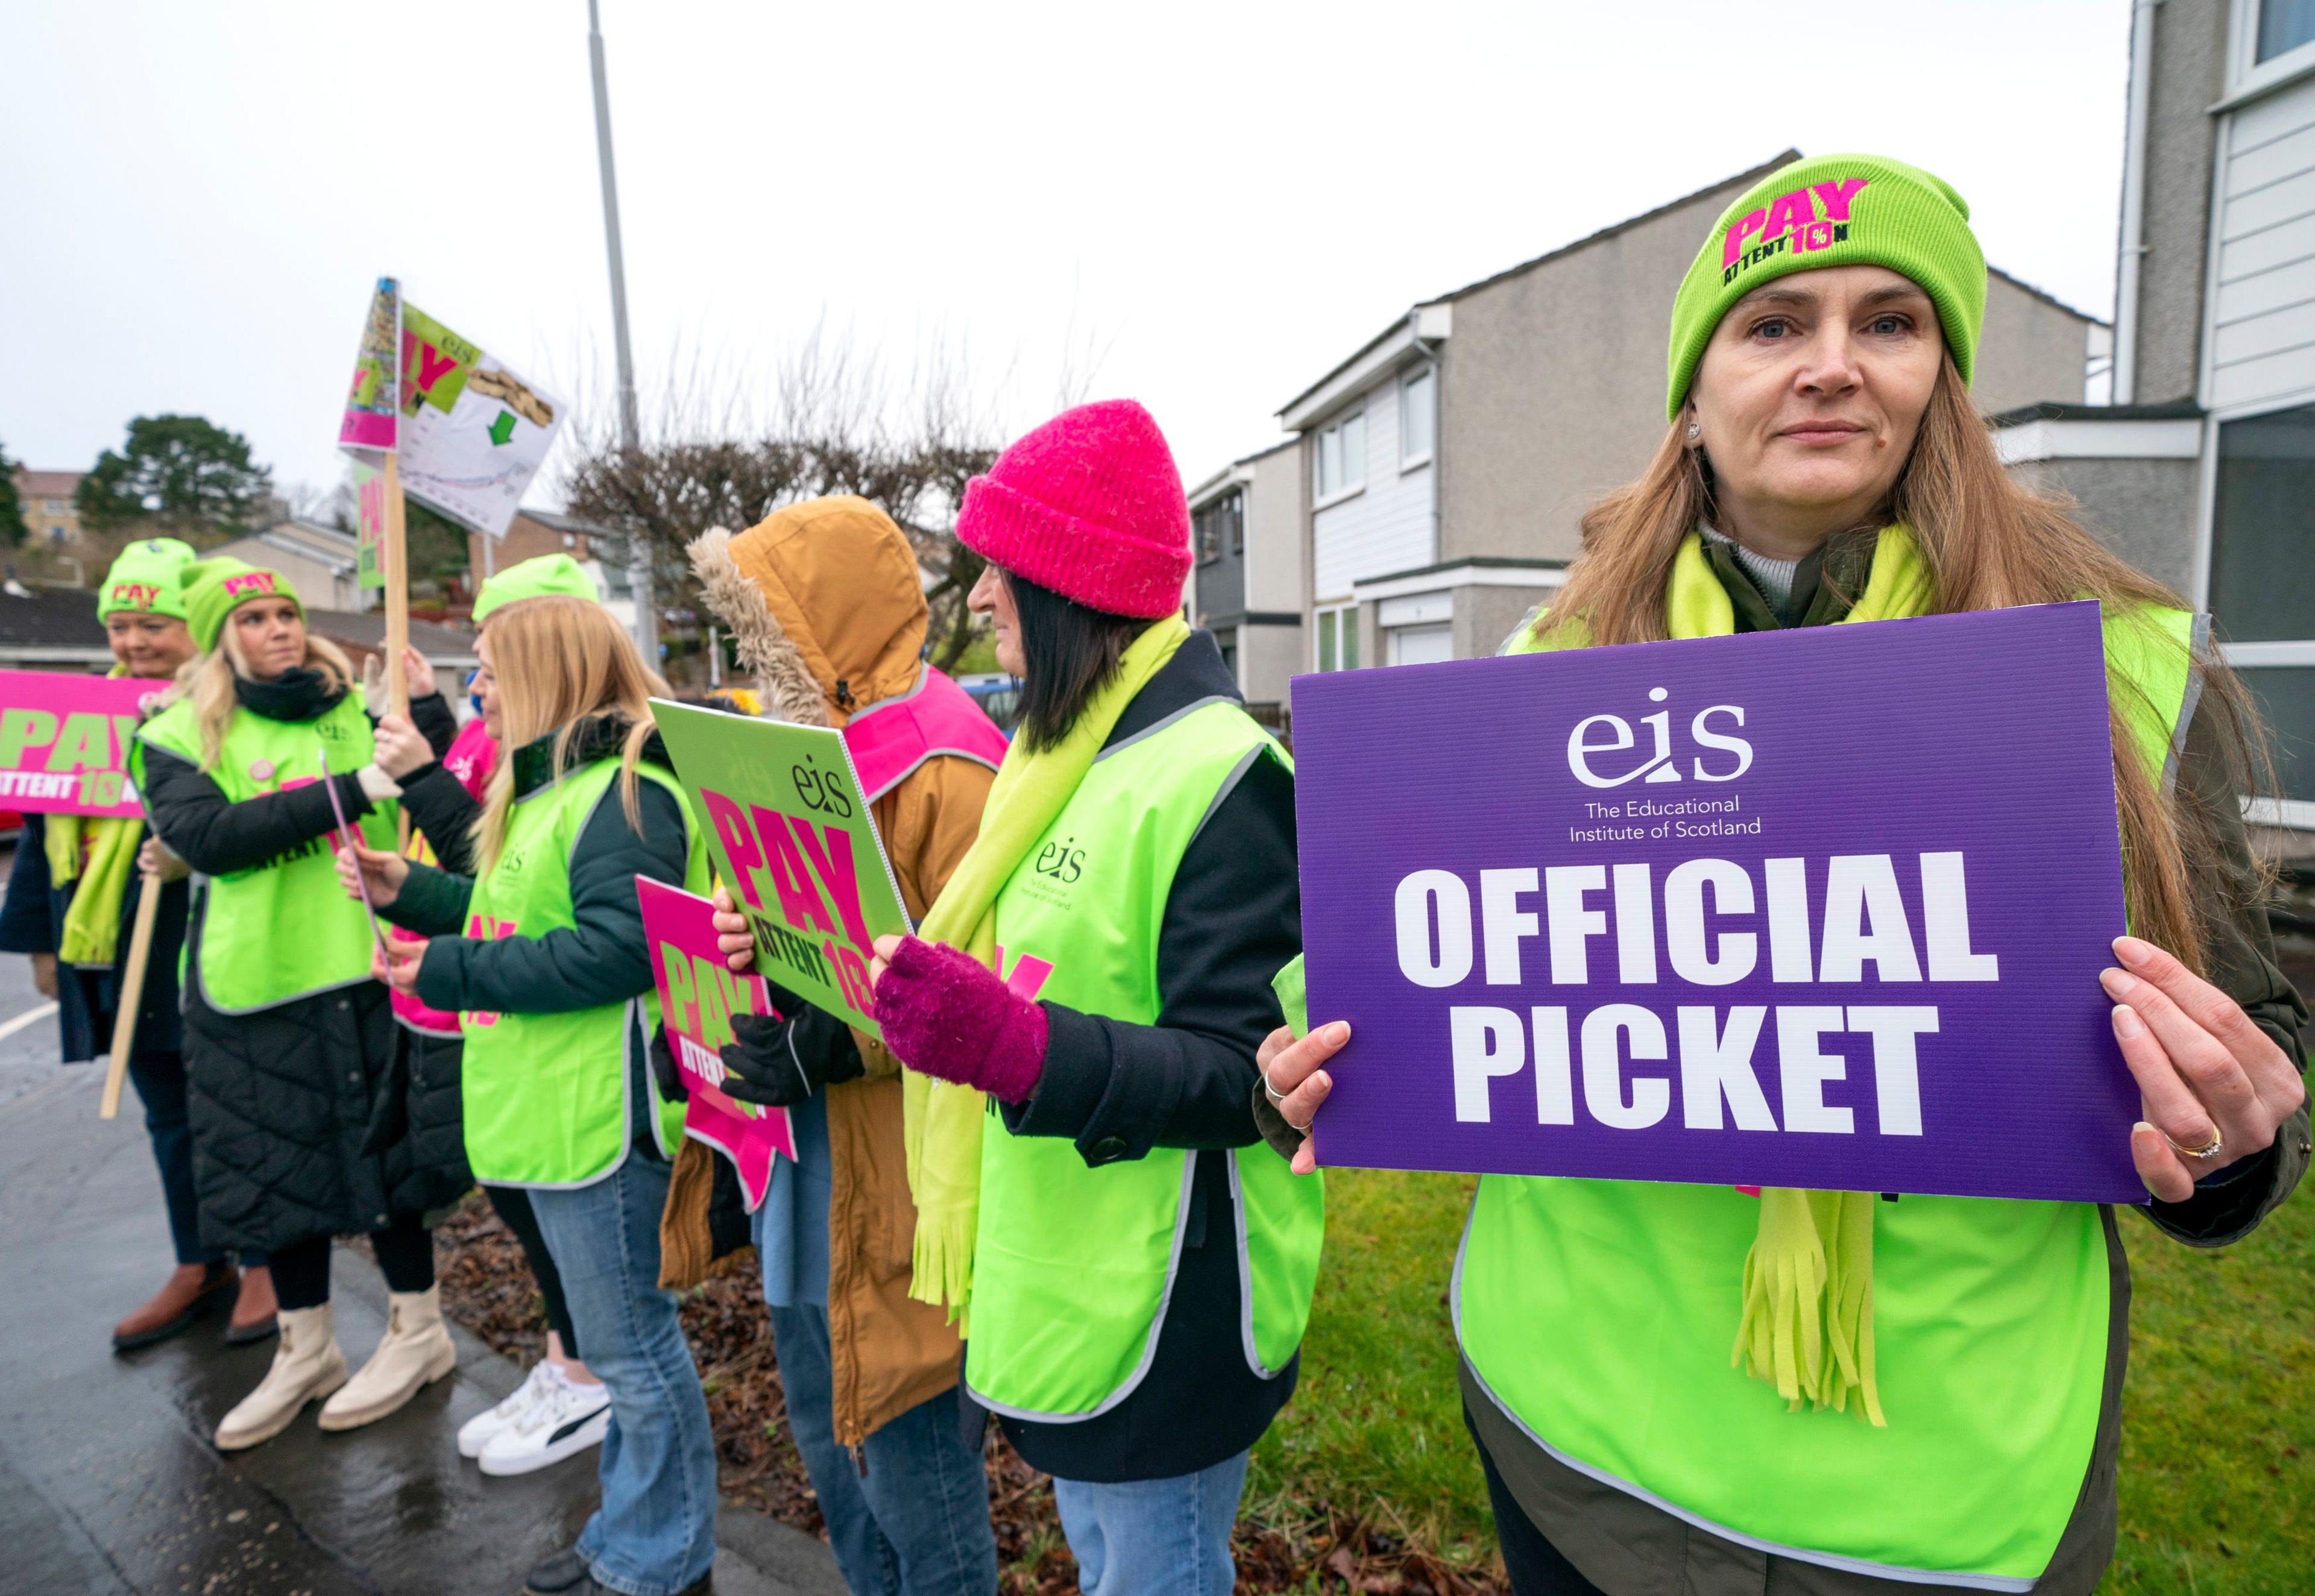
(2172, 410)
(48, 484)
(2045, 295)
(366, 630)
(554, 520)
(50, 618)
(1208, 486)
(325, 545)
(1744, 178)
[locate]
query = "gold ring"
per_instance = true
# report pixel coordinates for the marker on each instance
(2209, 1149)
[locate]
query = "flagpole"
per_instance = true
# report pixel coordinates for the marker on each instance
(638, 560)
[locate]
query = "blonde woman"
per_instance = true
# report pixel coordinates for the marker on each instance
(552, 980)
(1824, 463)
(299, 1131)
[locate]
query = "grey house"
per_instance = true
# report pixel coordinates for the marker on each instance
(1449, 459)
(2203, 469)
(1246, 531)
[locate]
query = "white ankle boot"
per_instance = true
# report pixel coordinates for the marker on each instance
(417, 1350)
(307, 1364)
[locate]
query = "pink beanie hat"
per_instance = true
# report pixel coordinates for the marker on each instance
(1090, 505)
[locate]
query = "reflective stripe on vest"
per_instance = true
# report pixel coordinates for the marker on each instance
(1073, 1266)
(893, 736)
(1599, 1315)
(546, 1095)
(286, 929)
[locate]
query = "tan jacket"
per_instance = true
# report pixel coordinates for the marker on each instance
(825, 606)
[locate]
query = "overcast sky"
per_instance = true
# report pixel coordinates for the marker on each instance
(1204, 206)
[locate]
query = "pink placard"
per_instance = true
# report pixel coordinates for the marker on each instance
(697, 996)
(65, 739)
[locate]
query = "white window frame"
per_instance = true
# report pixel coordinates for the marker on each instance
(2297, 813)
(1415, 461)
(1346, 623)
(1321, 496)
(2246, 73)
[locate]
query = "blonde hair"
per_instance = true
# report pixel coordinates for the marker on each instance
(1990, 542)
(558, 661)
(208, 680)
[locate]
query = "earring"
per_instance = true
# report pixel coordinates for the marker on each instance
(1695, 430)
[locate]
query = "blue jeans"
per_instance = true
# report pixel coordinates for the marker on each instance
(654, 1532)
(1154, 1538)
(914, 1522)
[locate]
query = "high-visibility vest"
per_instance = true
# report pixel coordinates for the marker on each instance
(285, 929)
(1599, 1316)
(547, 1095)
(1073, 1266)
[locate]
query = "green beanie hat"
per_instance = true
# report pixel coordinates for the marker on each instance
(547, 576)
(214, 587)
(1833, 211)
(147, 577)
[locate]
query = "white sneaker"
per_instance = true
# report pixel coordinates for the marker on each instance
(571, 1418)
(475, 1433)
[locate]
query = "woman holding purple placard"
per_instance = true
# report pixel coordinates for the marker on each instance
(1924, 1392)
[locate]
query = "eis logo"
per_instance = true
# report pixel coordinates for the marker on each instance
(1061, 861)
(819, 791)
(1610, 739)
(1813, 217)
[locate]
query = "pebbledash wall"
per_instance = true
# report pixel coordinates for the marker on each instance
(2204, 468)
(1247, 584)
(1447, 463)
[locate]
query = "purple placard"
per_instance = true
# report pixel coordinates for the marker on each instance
(1569, 991)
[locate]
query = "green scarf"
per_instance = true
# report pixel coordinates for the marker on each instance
(1807, 1326)
(942, 1121)
(92, 933)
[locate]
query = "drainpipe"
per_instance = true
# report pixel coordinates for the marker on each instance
(2130, 262)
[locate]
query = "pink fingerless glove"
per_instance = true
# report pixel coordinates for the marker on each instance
(944, 1014)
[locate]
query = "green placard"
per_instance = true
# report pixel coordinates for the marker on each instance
(793, 839)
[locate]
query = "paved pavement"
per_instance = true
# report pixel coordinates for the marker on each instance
(108, 1482)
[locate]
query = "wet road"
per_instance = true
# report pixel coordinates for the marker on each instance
(108, 1483)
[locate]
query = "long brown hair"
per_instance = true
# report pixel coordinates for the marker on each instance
(558, 661)
(1990, 542)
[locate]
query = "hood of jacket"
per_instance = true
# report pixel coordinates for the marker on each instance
(825, 606)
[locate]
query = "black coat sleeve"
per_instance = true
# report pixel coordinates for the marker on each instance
(436, 722)
(1233, 918)
(218, 836)
(27, 920)
(444, 814)
(2238, 953)
(600, 959)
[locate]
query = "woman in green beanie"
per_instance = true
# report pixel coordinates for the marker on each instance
(1942, 1410)
(71, 899)
(303, 1127)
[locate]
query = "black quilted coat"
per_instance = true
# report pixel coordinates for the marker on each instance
(318, 1116)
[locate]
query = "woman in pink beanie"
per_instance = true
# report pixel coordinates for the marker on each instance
(1135, 1261)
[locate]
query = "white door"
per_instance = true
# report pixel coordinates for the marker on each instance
(1422, 645)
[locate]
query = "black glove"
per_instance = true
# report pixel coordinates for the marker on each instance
(663, 1070)
(783, 1061)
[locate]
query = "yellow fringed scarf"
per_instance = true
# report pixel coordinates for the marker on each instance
(103, 868)
(942, 1121)
(1807, 1323)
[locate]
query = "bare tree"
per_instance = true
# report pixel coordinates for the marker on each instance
(837, 424)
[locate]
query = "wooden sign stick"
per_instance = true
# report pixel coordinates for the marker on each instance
(397, 605)
(132, 995)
